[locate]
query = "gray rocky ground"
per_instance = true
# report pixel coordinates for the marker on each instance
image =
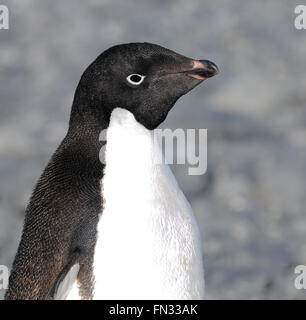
(251, 202)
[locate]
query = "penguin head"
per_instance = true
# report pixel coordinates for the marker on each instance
(144, 78)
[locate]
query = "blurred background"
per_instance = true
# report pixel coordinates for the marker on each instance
(251, 203)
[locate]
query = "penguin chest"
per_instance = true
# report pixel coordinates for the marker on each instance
(148, 244)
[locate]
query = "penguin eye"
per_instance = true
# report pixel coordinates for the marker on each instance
(135, 79)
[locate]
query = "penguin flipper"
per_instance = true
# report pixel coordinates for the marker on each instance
(64, 283)
(66, 280)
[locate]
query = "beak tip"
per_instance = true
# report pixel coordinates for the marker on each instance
(203, 69)
(211, 66)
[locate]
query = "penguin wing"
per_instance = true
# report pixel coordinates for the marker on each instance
(64, 282)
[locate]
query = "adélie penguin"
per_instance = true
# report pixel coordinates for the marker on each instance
(120, 228)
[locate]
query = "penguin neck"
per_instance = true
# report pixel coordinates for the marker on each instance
(86, 123)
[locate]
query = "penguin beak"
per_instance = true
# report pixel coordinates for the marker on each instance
(202, 69)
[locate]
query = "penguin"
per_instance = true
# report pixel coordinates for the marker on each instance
(117, 227)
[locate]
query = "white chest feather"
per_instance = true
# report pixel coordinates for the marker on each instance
(148, 243)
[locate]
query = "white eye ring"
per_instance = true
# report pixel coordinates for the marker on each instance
(135, 79)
